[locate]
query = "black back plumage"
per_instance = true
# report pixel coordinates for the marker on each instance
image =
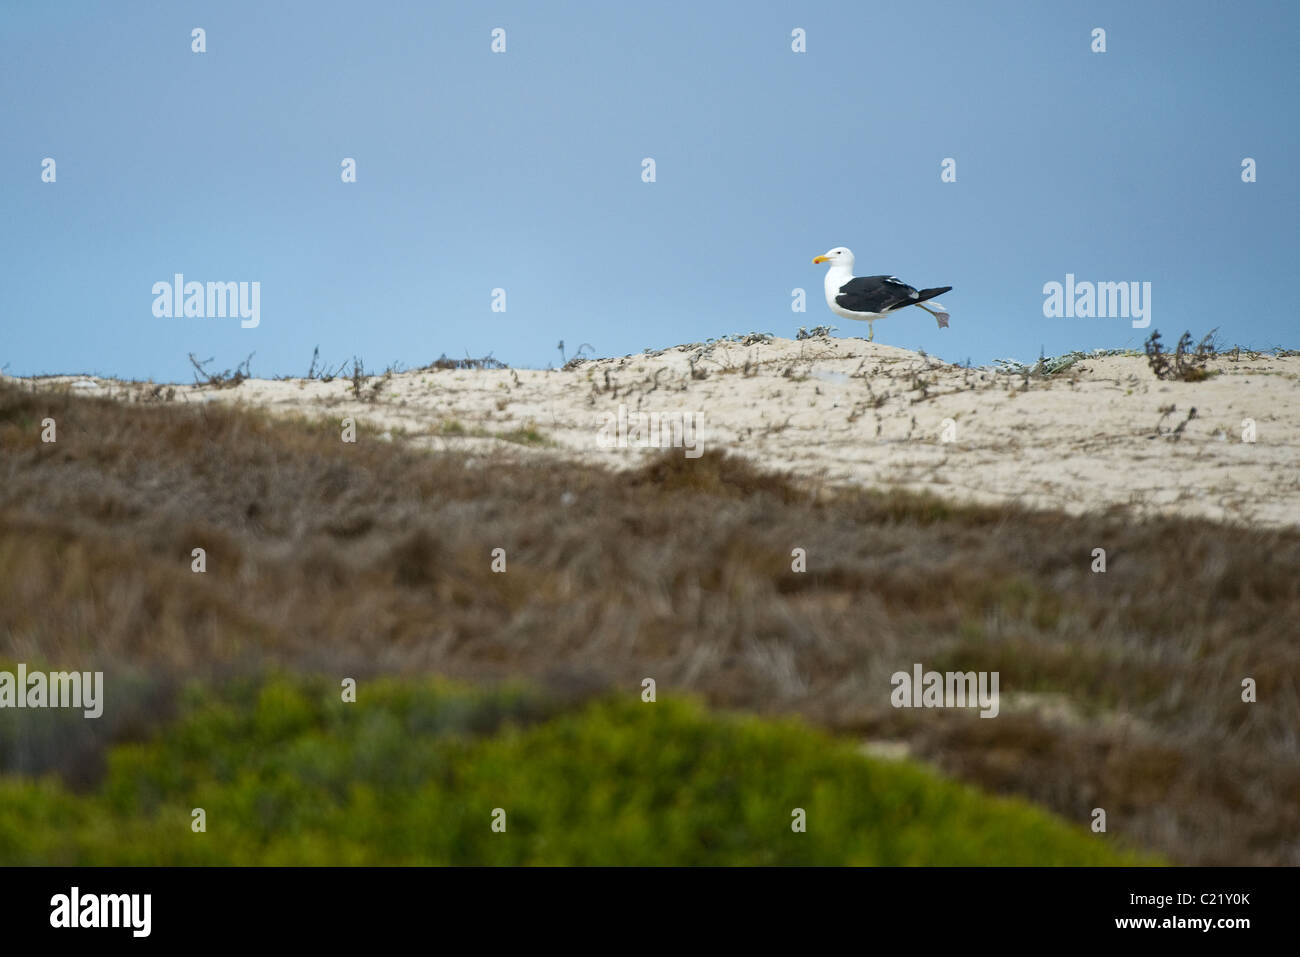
(882, 294)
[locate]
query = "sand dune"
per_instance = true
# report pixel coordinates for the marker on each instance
(1105, 432)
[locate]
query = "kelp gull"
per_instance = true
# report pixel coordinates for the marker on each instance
(873, 297)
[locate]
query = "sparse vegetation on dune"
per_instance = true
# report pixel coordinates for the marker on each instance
(1120, 690)
(227, 379)
(1048, 366)
(1186, 363)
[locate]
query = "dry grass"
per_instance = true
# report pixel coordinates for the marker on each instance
(1185, 363)
(1121, 690)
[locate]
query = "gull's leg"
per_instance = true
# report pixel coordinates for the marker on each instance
(940, 317)
(871, 330)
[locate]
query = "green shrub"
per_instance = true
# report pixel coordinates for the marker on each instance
(288, 774)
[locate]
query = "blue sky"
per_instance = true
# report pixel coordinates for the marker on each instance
(522, 171)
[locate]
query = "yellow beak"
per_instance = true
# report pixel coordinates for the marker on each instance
(821, 259)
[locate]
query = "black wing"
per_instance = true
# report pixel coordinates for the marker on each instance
(875, 294)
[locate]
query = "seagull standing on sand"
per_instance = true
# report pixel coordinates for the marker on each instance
(873, 297)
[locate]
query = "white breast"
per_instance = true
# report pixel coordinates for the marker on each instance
(836, 277)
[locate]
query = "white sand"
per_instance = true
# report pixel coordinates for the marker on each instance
(858, 412)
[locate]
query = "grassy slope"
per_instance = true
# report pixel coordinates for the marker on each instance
(288, 774)
(1120, 690)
